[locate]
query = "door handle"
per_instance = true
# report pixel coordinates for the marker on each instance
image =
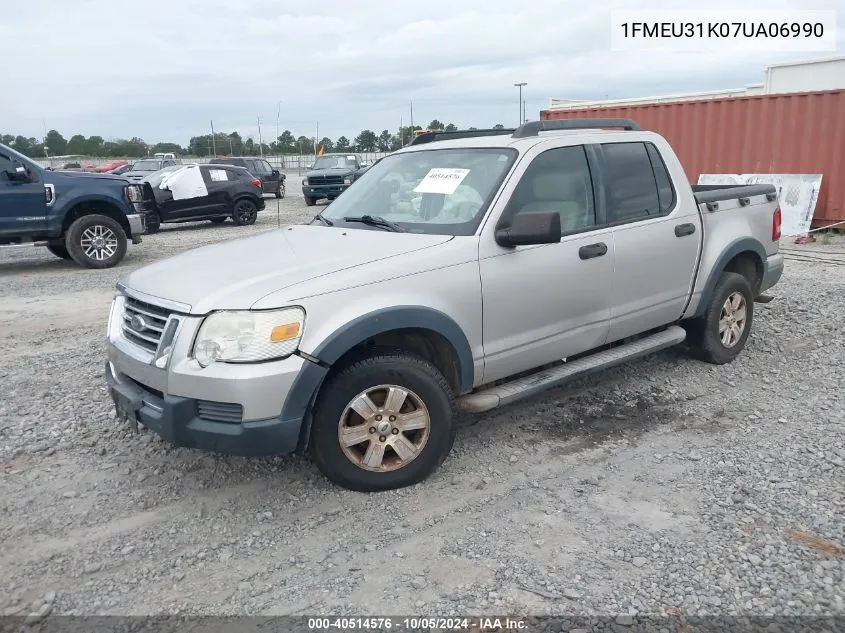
(592, 250)
(684, 229)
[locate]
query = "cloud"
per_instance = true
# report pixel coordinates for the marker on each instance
(162, 69)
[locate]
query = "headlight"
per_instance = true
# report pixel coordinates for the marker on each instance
(134, 193)
(304, 182)
(246, 337)
(347, 181)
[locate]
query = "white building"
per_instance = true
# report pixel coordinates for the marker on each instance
(798, 76)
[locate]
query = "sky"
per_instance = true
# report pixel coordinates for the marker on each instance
(164, 69)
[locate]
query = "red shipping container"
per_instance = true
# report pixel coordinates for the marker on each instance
(791, 133)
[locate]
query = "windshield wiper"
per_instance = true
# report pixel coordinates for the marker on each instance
(376, 221)
(325, 221)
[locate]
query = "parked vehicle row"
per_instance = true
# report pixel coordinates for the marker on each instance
(464, 271)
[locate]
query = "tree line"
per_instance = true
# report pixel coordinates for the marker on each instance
(221, 144)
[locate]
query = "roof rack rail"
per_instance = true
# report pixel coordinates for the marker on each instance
(533, 128)
(442, 135)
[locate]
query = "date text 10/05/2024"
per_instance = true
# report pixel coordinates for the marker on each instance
(465, 625)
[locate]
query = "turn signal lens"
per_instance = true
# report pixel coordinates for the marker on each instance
(284, 332)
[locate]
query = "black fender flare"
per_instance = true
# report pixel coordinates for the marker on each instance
(741, 245)
(307, 384)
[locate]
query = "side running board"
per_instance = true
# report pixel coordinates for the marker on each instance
(520, 388)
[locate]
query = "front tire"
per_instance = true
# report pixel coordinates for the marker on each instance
(720, 334)
(245, 212)
(382, 423)
(96, 241)
(280, 192)
(310, 201)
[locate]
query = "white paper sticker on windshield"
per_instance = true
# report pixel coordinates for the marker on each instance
(350, 158)
(218, 175)
(441, 180)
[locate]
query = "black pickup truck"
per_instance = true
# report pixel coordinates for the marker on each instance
(331, 175)
(86, 217)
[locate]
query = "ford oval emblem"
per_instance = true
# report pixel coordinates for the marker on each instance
(137, 323)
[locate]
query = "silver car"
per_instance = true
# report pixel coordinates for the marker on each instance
(466, 272)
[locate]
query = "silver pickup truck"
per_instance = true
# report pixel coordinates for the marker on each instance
(467, 270)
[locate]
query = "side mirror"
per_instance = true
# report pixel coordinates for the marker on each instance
(19, 174)
(311, 166)
(530, 228)
(363, 165)
(275, 173)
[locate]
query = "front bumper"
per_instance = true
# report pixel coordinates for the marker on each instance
(137, 226)
(237, 409)
(323, 191)
(177, 420)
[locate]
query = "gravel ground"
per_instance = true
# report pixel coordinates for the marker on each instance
(663, 486)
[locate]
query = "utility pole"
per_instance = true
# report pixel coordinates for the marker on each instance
(317, 138)
(520, 85)
(278, 114)
(260, 141)
(213, 142)
(524, 115)
(412, 115)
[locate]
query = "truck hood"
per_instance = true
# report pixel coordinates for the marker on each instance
(234, 275)
(334, 171)
(54, 176)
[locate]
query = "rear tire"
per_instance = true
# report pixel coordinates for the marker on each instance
(310, 201)
(59, 250)
(280, 192)
(96, 241)
(416, 419)
(245, 212)
(720, 334)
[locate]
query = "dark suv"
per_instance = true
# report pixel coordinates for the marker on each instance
(330, 175)
(225, 191)
(272, 180)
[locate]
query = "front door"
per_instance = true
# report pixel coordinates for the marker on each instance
(544, 303)
(23, 205)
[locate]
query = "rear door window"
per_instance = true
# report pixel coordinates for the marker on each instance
(632, 192)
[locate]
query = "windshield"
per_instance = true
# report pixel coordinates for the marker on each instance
(155, 178)
(440, 192)
(147, 165)
(335, 162)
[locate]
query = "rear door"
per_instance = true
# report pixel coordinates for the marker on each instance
(656, 239)
(264, 172)
(23, 205)
(219, 182)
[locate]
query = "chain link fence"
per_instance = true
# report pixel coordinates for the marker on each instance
(284, 162)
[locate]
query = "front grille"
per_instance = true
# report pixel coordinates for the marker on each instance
(220, 411)
(325, 180)
(143, 323)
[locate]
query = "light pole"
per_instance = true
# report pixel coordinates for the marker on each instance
(520, 85)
